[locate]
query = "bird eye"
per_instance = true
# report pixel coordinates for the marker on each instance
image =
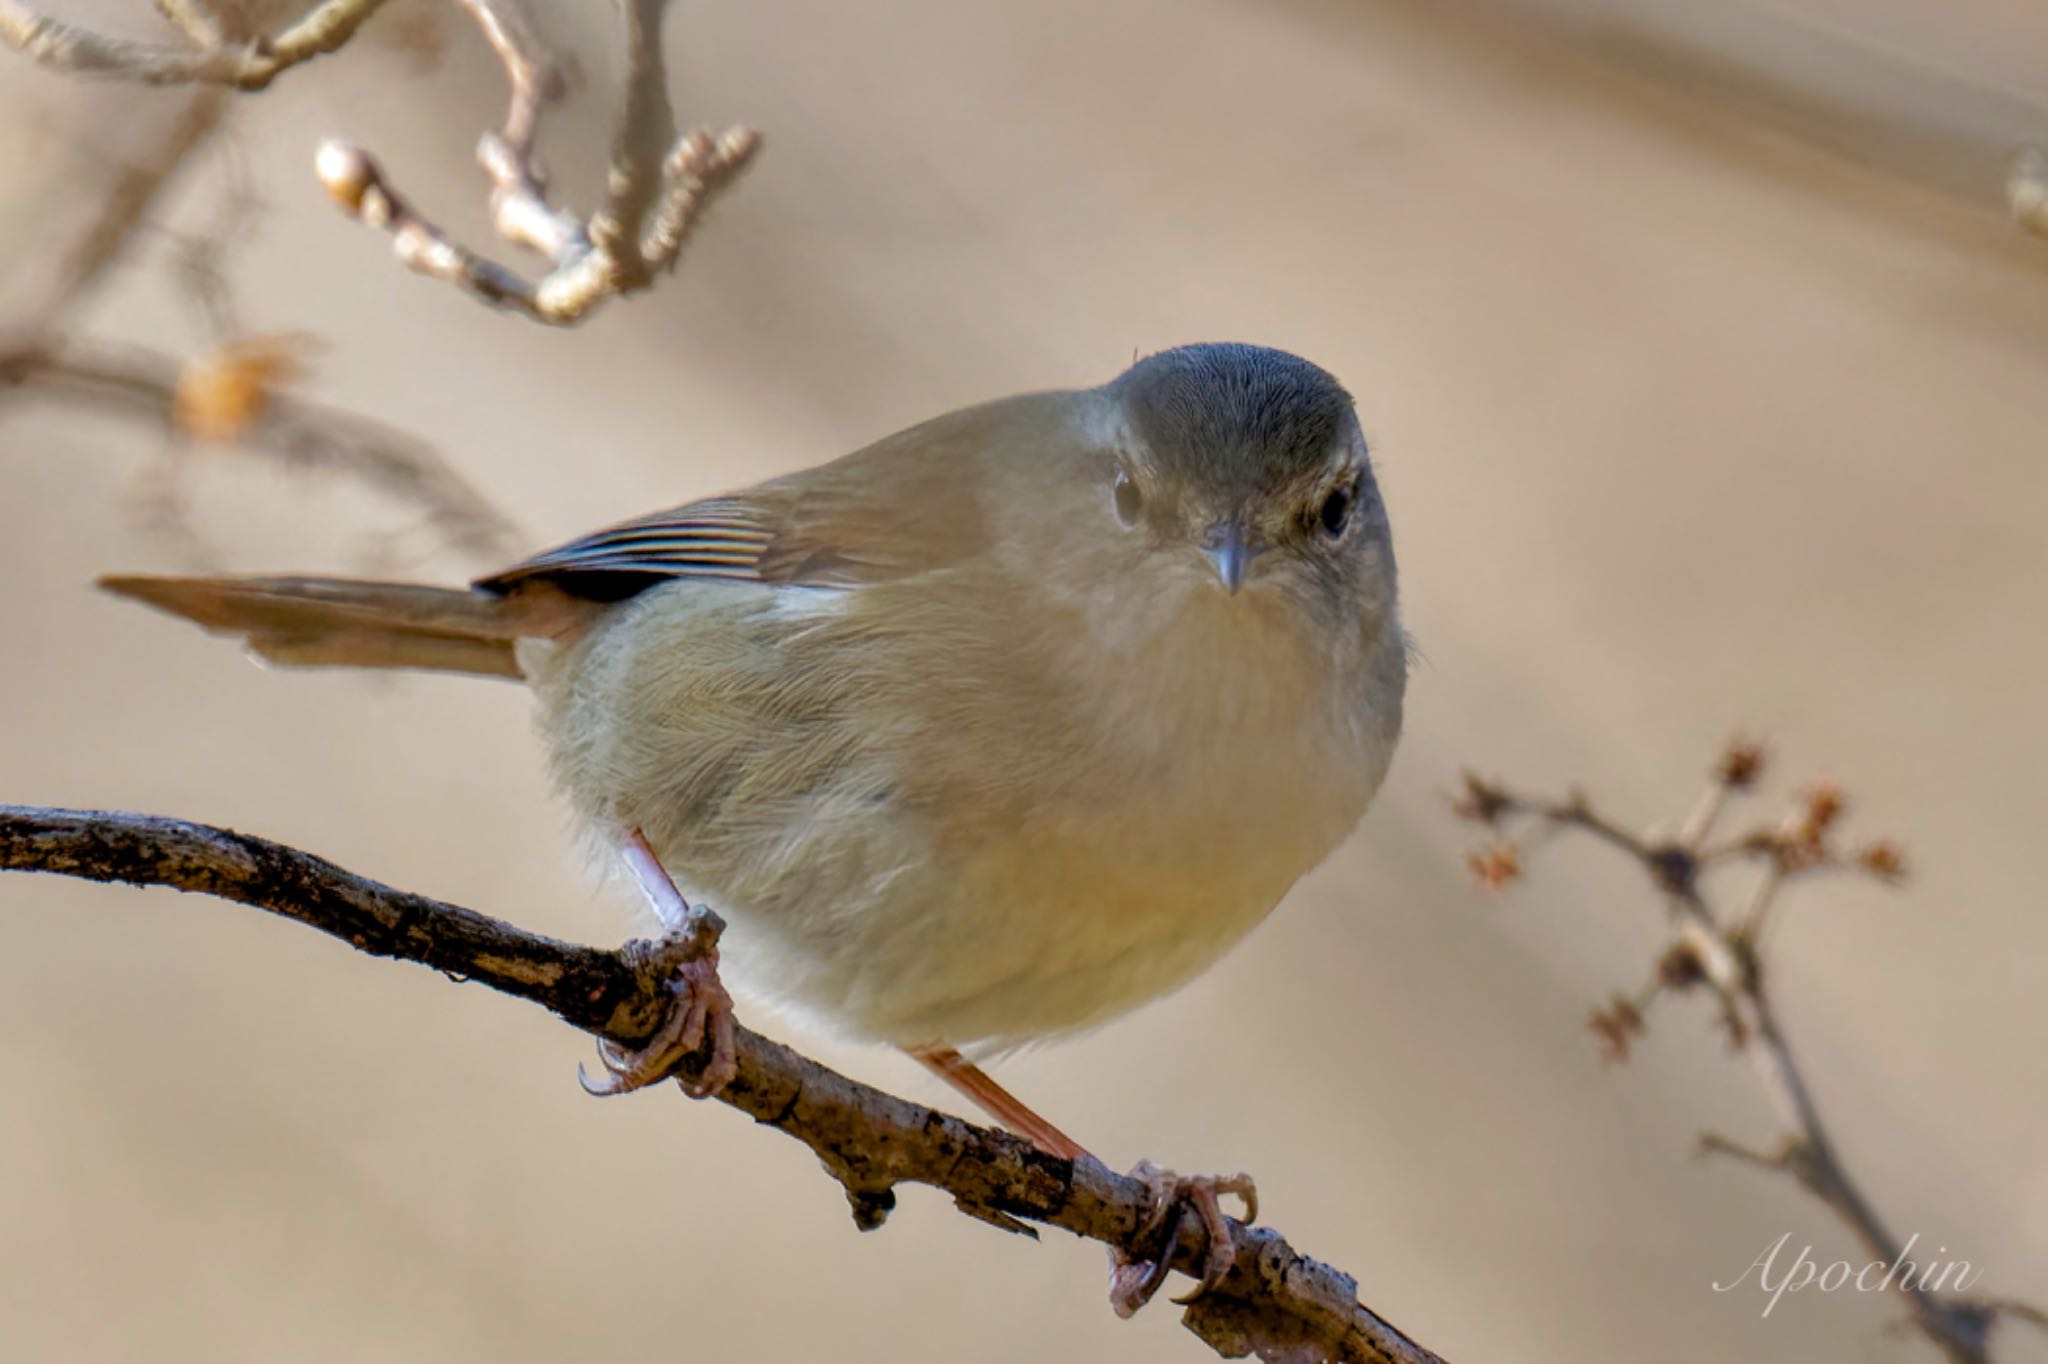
(1336, 509)
(1129, 501)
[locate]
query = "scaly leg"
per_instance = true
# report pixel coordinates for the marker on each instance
(699, 1006)
(1175, 1197)
(991, 1098)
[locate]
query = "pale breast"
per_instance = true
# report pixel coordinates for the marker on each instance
(973, 831)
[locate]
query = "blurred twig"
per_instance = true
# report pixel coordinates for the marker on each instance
(659, 185)
(1719, 952)
(134, 192)
(233, 393)
(213, 54)
(1274, 1302)
(255, 414)
(2027, 191)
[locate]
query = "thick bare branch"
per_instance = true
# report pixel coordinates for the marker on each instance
(659, 185)
(1275, 1302)
(247, 65)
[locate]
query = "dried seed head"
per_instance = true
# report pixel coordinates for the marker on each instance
(1824, 804)
(1884, 859)
(222, 393)
(1496, 864)
(1740, 764)
(1679, 968)
(1617, 1026)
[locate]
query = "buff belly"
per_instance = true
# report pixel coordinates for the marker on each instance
(880, 882)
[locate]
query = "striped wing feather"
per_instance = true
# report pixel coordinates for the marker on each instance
(907, 505)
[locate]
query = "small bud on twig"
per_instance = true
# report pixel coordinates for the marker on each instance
(1481, 801)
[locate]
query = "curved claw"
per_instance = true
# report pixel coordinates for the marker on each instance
(698, 1007)
(1133, 1283)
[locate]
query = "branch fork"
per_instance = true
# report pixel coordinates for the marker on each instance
(1721, 952)
(659, 186)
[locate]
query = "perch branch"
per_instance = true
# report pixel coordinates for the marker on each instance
(658, 189)
(1275, 1302)
(1720, 953)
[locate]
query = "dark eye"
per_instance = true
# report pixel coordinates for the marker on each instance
(1336, 509)
(1129, 501)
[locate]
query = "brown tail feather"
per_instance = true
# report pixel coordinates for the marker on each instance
(341, 622)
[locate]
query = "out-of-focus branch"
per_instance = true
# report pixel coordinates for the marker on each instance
(2027, 191)
(659, 185)
(1721, 954)
(1275, 1302)
(212, 58)
(129, 199)
(197, 20)
(232, 394)
(252, 413)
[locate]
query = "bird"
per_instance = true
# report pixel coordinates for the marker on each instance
(977, 737)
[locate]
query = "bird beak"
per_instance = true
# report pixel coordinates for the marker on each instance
(1230, 552)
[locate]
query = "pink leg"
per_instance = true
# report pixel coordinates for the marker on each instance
(1177, 1197)
(699, 1008)
(991, 1098)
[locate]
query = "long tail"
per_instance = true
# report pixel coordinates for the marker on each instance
(346, 623)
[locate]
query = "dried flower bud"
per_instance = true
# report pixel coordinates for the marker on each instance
(1884, 859)
(1496, 865)
(1824, 805)
(1679, 968)
(1617, 1026)
(1740, 764)
(223, 392)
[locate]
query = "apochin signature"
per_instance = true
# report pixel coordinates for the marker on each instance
(1933, 1275)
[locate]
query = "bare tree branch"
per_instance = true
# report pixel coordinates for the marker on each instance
(38, 357)
(653, 173)
(1721, 954)
(214, 60)
(300, 434)
(1276, 1302)
(659, 187)
(134, 192)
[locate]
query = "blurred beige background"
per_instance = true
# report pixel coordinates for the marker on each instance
(1695, 411)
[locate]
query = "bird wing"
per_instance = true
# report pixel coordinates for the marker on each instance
(907, 505)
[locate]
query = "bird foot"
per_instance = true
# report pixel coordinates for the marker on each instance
(1175, 1198)
(698, 1008)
